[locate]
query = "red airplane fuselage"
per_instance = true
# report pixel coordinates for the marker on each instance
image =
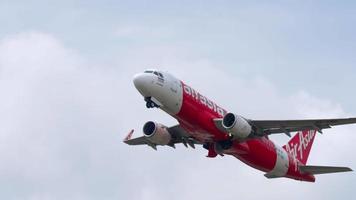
(197, 115)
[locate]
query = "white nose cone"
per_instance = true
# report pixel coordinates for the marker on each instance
(142, 83)
(138, 81)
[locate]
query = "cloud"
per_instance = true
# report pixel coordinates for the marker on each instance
(50, 98)
(63, 119)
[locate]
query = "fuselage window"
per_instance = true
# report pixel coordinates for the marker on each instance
(148, 71)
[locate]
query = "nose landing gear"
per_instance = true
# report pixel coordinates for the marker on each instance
(150, 103)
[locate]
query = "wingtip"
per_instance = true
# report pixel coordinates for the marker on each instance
(128, 136)
(347, 169)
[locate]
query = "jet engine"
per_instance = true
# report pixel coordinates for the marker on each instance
(156, 133)
(237, 126)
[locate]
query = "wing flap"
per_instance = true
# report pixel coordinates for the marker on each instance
(310, 122)
(323, 169)
(286, 126)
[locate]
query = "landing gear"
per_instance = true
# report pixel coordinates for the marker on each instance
(225, 145)
(217, 148)
(220, 145)
(150, 103)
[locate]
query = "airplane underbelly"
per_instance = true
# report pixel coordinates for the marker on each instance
(281, 166)
(261, 154)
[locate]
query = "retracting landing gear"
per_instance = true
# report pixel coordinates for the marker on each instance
(150, 103)
(217, 148)
(225, 145)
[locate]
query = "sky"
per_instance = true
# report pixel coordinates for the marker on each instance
(67, 97)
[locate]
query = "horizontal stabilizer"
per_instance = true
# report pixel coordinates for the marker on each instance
(323, 169)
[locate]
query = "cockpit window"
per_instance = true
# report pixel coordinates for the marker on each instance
(159, 74)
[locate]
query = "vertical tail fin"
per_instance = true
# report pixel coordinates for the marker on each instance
(300, 145)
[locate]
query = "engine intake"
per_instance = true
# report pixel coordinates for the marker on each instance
(237, 126)
(157, 133)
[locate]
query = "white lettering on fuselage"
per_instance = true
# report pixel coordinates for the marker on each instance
(301, 145)
(203, 100)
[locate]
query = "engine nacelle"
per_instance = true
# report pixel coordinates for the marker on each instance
(157, 133)
(237, 126)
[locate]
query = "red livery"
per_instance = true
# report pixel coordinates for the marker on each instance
(203, 122)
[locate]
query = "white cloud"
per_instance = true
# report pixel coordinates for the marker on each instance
(63, 119)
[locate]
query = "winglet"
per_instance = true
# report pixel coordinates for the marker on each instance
(129, 135)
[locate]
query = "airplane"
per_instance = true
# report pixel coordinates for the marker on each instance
(203, 122)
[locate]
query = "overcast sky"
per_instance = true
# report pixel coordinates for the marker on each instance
(67, 98)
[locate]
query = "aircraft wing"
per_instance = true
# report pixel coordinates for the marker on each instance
(178, 134)
(268, 127)
(287, 126)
